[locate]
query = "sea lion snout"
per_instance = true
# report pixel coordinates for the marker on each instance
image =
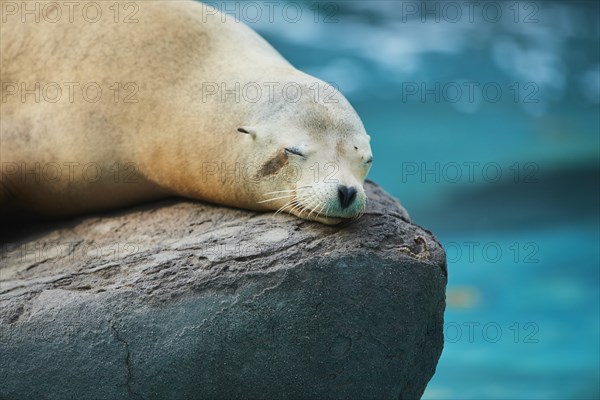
(346, 195)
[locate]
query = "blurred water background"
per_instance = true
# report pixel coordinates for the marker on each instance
(485, 124)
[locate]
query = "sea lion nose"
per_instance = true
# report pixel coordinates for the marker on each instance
(346, 195)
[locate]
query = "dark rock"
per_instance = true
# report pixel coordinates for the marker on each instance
(188, 300)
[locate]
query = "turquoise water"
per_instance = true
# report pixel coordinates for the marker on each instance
(506, 178)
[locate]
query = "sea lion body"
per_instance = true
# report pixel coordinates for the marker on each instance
(106, 114)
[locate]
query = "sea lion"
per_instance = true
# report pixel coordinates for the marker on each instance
(103, 109)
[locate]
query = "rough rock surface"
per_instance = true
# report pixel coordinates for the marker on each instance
(180, 299)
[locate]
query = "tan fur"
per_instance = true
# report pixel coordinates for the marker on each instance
(171, 138)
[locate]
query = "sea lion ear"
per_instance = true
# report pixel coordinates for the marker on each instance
(248, 131)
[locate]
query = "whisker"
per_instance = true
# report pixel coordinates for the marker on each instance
(327, 210)
(320, 210)
(309, 204)
(276, 198)
(289, 204)
(287, 190)
(279, 191)
(301, 210)
(280, 208)
(360, 213)
(296, 206)
(317, 215)
(313, 205)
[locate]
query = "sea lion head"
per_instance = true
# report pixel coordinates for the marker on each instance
(313, 155)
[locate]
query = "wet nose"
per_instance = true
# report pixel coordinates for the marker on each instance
(346, 195)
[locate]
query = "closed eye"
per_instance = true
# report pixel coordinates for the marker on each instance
(293, 150)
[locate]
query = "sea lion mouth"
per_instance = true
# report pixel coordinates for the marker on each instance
(313, 215)
(331, 220)
(324, 219)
